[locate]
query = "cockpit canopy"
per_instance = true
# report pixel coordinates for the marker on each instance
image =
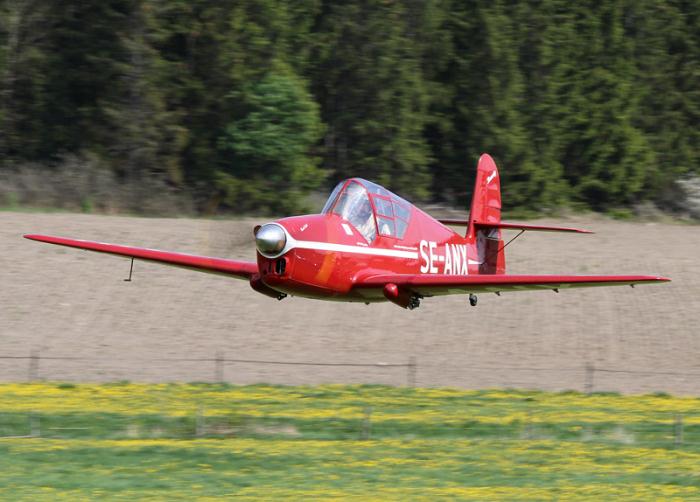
(370, 208)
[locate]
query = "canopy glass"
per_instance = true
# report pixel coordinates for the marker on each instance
(371, 209)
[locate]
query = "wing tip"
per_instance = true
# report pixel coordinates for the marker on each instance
(43, 238)
(653, 278)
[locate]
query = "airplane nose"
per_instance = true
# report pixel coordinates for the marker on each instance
(270, 240)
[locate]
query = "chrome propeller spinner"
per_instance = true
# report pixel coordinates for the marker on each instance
(270, 239)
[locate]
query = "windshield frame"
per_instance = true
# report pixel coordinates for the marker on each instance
(333, 197)
(355, 200)
(397, 222)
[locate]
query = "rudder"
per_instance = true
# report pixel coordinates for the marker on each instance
(485, 209)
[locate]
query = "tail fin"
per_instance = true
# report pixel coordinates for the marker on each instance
(486, 209)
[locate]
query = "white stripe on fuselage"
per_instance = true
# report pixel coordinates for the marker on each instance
(345, 248)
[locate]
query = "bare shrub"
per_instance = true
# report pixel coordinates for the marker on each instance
(83, 183)
(690, 188)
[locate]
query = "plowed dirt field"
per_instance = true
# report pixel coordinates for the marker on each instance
(86, 324)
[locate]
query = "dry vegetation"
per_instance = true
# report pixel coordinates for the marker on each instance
(83, 183)
(71, 303)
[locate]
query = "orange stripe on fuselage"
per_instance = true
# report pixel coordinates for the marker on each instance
(324, 271)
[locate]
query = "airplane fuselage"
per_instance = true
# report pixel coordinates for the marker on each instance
(325, 257)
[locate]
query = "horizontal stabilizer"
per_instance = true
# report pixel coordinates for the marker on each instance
(512, 226)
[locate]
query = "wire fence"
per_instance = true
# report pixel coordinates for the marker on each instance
(218, 362)
(676, 431)
(589, 375)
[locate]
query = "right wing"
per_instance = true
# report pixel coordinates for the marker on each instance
(441, 284)
(234, 268)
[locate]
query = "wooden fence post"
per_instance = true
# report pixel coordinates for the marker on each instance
(199, 422)
(678, 431)
(367, 423)
(33, 372)
(590, 376)
(219, 367)
(411, 371)
(34, 425)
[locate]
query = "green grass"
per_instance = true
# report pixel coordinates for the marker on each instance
(133, 441)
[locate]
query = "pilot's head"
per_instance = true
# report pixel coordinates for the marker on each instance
(365, 211)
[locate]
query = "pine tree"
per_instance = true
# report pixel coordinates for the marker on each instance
(605, 158)
(23, 29)
(541, 31)
(367, 77)
(148, 138)
(667, 50)
(593, 102)
(487, 104)
(215, 52)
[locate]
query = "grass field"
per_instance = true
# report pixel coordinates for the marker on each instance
(172, 441)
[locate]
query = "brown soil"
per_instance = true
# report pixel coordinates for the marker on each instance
(68, 303)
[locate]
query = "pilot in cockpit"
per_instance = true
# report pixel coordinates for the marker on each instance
(365, 219)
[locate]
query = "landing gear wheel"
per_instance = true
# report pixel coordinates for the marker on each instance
(414, 303)
(472, 299)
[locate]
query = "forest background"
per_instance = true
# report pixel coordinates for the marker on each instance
(202, 106)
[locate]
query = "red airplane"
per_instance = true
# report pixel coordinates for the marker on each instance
(369, 245)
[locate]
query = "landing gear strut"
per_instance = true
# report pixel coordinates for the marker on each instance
(472, 299)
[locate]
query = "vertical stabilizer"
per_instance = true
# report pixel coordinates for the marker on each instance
(485, 209)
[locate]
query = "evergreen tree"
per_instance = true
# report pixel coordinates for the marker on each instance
(487, 101)
(591, 102)
(23, 31)
(606, 159)
(147, 139)
(84, 60)
(367, 77)
(542, 29)
(666, 39)
(214, 51)
(271, 166)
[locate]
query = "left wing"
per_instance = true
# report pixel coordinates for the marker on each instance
(441, 284)
(235, 268)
